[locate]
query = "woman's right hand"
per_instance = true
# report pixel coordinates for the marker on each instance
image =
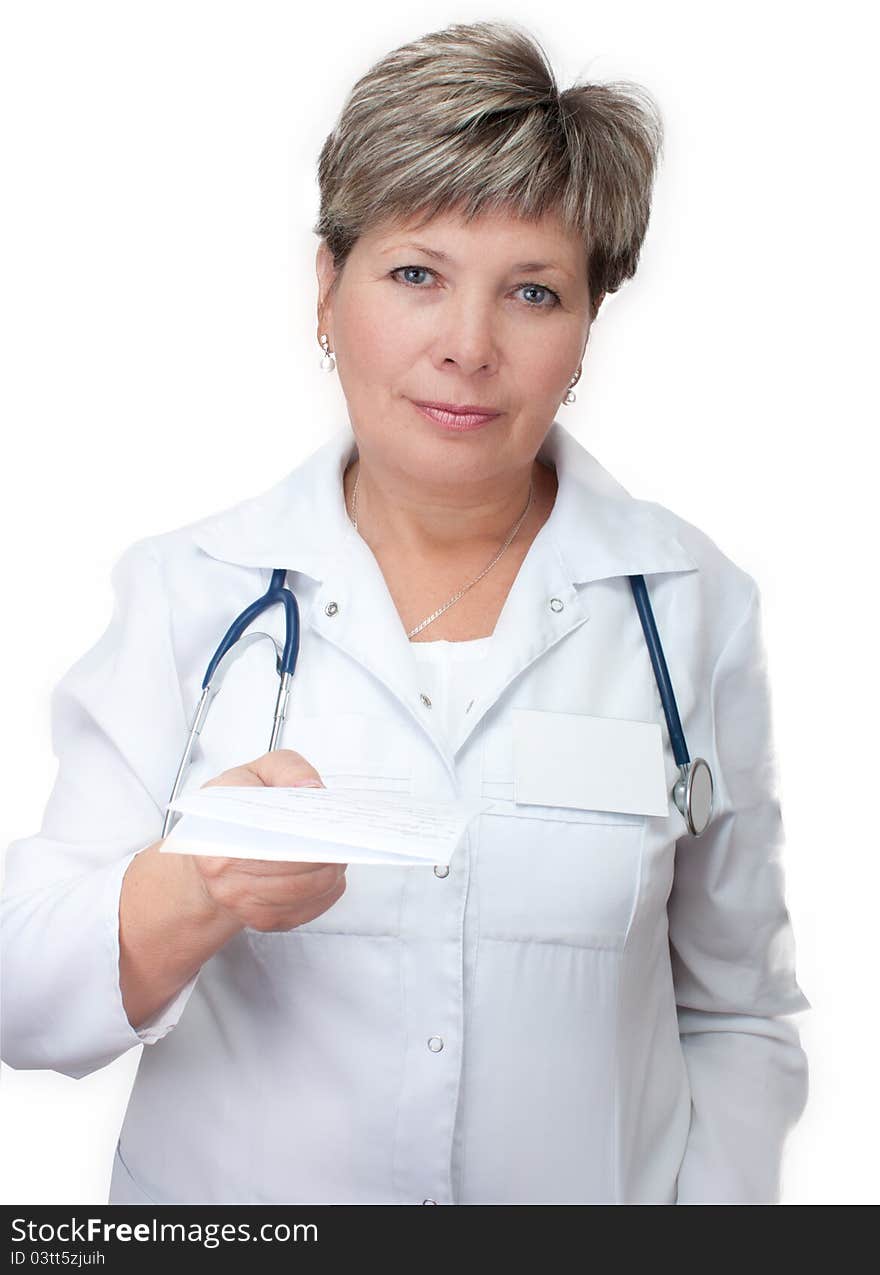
(265, 894)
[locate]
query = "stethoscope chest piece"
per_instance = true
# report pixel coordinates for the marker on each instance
(694, 795)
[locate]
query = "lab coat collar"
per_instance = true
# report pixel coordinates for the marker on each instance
(595, 530)
(301, 524)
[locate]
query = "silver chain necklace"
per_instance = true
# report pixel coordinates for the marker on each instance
(456, 596)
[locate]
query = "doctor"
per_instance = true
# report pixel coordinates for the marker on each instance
(589, 1005)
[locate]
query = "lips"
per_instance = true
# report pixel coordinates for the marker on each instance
(457, 415)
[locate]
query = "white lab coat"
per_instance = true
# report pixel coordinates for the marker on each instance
(612, 997)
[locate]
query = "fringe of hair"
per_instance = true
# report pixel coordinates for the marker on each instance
(470, 119)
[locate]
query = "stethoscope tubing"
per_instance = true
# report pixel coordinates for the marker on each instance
(661, 672)
(276, 593)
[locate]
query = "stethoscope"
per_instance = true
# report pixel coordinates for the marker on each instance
(285, 663)
(693, 792)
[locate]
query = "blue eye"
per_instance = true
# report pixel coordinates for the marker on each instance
(539, 287)
(411, 270)
(400, 272)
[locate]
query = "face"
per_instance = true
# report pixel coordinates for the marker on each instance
(494, 314)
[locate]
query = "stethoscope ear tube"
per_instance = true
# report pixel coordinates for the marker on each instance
(285, 663)
(276, 592)
(198, 722)
(693, 793)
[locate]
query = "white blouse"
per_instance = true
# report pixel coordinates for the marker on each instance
(450, 672)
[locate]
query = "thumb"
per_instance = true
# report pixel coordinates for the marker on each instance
(282, 768)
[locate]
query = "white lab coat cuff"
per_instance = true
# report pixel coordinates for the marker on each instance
(749, 1080)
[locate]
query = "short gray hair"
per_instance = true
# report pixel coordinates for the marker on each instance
(469, 119)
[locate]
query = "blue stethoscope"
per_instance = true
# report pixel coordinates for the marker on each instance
(693, 792)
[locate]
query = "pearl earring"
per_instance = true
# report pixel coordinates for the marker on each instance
(328, 363)
(570, 395)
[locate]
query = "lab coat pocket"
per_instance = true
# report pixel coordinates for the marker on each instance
(353, 752)
(546, 871)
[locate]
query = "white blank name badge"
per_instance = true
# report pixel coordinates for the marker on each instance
(588, 763)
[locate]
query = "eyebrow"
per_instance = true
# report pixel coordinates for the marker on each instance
(436, 255)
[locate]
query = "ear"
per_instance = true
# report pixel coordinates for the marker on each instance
(326, 274)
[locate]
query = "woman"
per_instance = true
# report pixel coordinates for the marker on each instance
(590, 1004)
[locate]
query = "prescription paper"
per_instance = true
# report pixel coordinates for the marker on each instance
(318, 825)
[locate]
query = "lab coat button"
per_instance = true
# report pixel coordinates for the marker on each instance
(441, 870)
(423, 697)
(556, 604)
(331, 608)
(435, 1044)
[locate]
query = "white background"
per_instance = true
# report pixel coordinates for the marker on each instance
(161, 363)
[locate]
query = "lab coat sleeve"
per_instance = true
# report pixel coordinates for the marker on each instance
(733, 950)
(118, 726)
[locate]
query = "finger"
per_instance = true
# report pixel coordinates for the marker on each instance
(283, 905)
(215, 865)
(238, 776)
(282, 869)
(283, 768)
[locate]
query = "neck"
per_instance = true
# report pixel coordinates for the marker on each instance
(439, 520)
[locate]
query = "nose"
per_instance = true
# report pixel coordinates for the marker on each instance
(466, 334)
